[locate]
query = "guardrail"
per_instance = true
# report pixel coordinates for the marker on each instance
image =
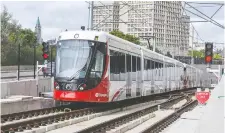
(16, 71)
(23, 76)
(15, 68)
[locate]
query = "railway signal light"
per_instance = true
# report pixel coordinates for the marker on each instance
(208, 52)
(45, 50)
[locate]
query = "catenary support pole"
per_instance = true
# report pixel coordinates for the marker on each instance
(91, 15)
(51, 60)
(34, 60)
(18, 74)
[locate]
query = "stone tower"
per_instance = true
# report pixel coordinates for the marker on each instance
(38, 31)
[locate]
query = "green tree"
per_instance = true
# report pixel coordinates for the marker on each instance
(130, 38)
(201, 54)
(217, 56)
(12, 36)
(127, 37)
(168, 54)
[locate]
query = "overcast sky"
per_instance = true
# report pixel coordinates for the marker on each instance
(58, 16)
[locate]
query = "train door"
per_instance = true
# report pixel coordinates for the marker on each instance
(152, 75)
(164, 74)
(128, 75)
(139, 85)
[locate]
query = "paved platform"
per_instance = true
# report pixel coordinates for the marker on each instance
(20, 103)
(203, 119)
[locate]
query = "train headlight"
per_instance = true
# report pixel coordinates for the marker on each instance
(56, 85)
(69, 87)
(82, 87)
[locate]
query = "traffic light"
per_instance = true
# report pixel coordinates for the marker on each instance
(208, 53)
(45, 50)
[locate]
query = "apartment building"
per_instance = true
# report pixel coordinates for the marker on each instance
(162, 21)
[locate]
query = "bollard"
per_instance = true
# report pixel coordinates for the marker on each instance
(158, 107)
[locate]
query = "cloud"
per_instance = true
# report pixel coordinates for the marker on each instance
(58, 16)
(54, 16)
(208, 31)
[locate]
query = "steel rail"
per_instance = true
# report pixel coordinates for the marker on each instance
(42, 121)
(160, 125)
(31, 113)
(26, 114)
(105, 126)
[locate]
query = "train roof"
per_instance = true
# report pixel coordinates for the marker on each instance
(103, 37)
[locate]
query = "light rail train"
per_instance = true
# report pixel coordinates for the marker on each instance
(93, 66)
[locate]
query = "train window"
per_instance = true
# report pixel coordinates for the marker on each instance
(117, 66)
(113, 64)
(145, 64)
(148, 65)
(156, 65)
(96, 67)
(138, 64)
(134, 64)
(151, 64)
(121, 59)
(161, 65)
(128, 62)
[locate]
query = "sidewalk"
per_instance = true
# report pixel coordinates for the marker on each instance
(203, 119)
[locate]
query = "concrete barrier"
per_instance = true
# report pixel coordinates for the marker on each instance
(26, 87)
(18, 104)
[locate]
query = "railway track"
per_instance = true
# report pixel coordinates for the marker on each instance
(162, 124)
(111, 124)
(33, 119)
(61, 109)
(32, 113)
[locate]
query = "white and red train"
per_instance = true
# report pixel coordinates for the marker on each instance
(94, 66)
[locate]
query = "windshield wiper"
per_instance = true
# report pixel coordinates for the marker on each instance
(74, 75)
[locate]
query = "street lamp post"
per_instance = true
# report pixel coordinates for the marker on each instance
(34, 60)
(18, 76)
(51, 60)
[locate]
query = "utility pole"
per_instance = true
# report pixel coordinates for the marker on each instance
(18, 76)
(165, 24)
(192, 42)
(35, 59)
(91, 15)
(51, 59)
(153, 43)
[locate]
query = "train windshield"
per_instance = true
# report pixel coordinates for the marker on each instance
(72, 58)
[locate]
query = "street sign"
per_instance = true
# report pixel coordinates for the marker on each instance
(202, 96)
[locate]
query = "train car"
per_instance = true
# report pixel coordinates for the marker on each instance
(94, 66)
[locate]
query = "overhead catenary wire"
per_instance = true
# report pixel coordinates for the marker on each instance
(211, 20)
(216, 11)
(137, 11)
(205, 3)
(119, 16)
